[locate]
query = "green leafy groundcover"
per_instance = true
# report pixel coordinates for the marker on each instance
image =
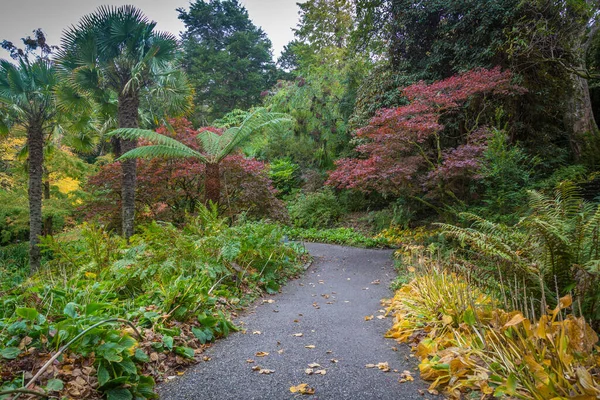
(343, 236)
(179, 287)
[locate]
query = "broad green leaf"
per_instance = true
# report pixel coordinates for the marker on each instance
(103, 374)
(70, 310)
(141, 356)
(10, 353)
(168, 342)
(118, 394)
(128, 366)
(200, 335)
(185, 351)
(511, 384)
(55, 385)
(29, 314)
(469, 317)
(93, 307)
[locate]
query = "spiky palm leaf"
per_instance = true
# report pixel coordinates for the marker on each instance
(115, 48)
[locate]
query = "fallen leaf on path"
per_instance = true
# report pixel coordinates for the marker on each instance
(266, 371)
(275, 310)
(368, 317)
(320, 372)
(370, 366)
(310, 346)
(206, 358)
(309, 371)
(302, 388)
(256, 368)
(261, 354)
(297, 334)
(314, 365)
(270, 301)
(333, 360)
(296, 320)
(329, 352)
(315, 305)
(280, 351)
(326, 296)
(384, 366)
(406, 376)
(381, 317)
(257, 333)
(375, 282)
(249, 361)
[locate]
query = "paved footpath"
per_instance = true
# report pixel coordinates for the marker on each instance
(328, 305)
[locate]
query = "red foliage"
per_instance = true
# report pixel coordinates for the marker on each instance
(404, 149)
(167, 189)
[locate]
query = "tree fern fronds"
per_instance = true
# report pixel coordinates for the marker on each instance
(160, 151)
(146, 134)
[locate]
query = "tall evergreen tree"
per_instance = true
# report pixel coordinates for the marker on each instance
(118, 50)
(228, 59)
(27, 100)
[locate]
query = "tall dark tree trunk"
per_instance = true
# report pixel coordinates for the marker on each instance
(48, 221)
(579, 120)
(128, 118)
(35, 162)
(212, 184)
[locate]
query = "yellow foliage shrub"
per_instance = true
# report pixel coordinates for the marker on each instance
(467, 342)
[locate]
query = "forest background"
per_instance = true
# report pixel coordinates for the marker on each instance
(472, 123)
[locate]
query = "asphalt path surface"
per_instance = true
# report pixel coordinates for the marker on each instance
(328, 306)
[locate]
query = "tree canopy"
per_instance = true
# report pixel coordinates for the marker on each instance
(227, 58)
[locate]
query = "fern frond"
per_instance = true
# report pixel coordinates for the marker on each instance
(160, 151)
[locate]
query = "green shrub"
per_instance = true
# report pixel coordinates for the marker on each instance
(315, 210)
(552, 252)
(342, 236)
(506, 172)
(285, 175)
(179, 284)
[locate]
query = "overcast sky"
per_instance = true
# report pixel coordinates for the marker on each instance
(18, 18)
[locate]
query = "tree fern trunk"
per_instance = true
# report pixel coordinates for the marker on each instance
(212, 184)
(128, 118)
(35, 142)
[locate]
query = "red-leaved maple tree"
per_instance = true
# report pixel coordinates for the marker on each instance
(167, 189)
(433, 145)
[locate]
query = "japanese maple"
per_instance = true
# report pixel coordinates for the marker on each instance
(167, 189)
(410, 150)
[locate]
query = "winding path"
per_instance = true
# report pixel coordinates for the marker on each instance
(328, 305)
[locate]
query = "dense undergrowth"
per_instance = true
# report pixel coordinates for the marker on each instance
(501, 337)
(179, 287)
(342, 236)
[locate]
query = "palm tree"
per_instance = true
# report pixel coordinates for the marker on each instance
(117, 49)
(27, 101)
(215, 146)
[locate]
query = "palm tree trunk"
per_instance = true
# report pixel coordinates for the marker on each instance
(128, 118)
(48, 221)
(35, 162)
(212, 184)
